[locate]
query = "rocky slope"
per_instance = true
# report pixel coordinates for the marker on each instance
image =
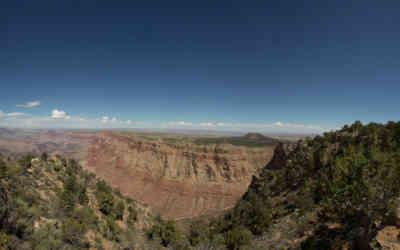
(51, 203)
(336, 191)
(176, 179)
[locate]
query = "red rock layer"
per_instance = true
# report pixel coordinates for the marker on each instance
(179, 181)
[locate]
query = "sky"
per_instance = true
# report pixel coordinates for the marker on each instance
(289, 66)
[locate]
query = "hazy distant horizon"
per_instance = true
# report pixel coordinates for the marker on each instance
(188, 132)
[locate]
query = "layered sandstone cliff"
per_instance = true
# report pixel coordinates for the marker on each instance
(177, 180)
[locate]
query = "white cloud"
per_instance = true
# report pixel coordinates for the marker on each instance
(59, 119)
(12, 114)
(181, 123)
(105, 119)
(212, 124)
(29, 104)
(59, 114)
(64, 121)
(276, 126)
(300, 126)
(206, 124)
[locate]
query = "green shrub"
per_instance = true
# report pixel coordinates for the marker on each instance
(132, 217)
(83, 198)
(165, 231)
(198, 232)
(44, 156)
(112, 231)
(47, 237)
(25, 161)
(69, 195)
(119, 210)
(106, 203)
(105, 198)
(237, 238)
(3, 170)
(358, 190)
(5, 241)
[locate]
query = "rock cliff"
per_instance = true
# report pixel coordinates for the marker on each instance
(178, 180)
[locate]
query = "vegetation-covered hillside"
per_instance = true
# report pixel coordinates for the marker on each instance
(336, 191)
(51, 203)
(333, 191)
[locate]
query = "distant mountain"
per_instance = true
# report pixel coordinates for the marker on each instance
(248, 140)
(254, 136)
(5, 132)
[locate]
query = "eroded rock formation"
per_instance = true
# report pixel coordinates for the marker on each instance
(177, 180)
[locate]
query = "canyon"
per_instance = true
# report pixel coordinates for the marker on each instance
(177, 180)
(179, 177)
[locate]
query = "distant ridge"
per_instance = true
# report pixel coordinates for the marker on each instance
(255, 136)
(248, 140)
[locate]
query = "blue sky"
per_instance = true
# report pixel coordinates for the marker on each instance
(289, 66)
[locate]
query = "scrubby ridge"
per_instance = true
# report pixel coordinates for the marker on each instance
(336, 191)
(51, 203)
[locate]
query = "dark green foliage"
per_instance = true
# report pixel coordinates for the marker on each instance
(57, 167)
(44, 156)
(48, 237)
(198, 232)
(239, 141)
(356, 180)
(351, 177)
(26, 161)
(105, 198)
(112, 231)
(119, 210)
(72, 231)
(237, 238)
(83, 199)
(165, 231)
(253, 212)
(324, 238)
(3, 169)
(63, 162)
(107, 203)
(5, 241)
(132, 216)
(361, 187)
(69, 196)
(37, 213)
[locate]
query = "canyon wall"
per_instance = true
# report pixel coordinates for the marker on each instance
(177, 180)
